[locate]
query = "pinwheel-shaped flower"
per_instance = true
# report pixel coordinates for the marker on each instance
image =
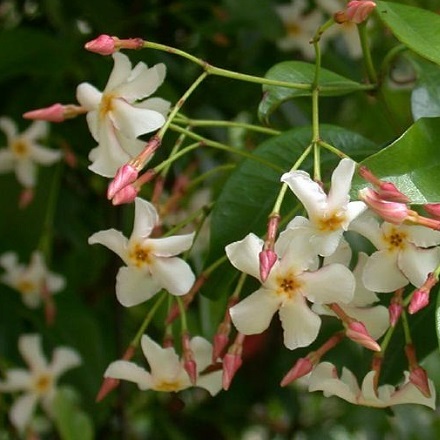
(116, 117)
(30, 280)
(325, 378)
(405, 253)
(23, 152)
(39, 383)
(167, 372)
(288, 287)
(329, 215)
(151, 262)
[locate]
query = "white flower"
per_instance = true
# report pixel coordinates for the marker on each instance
(288, 287)
(167, 372)
(401, 256)
(329, 215)
(116, 117)
(300, 27)
(23, 152)
(39, 383)
(30, 280)
(151, 262)
(324, 378)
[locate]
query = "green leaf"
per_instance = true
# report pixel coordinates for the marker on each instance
(412, 163)
(71, 422)
(303, 73)
(425, 98)
(248, 196)
(416, 28)
(437, 319)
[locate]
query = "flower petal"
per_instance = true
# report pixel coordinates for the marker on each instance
(354, 209)
(134, 286)
(202, 350)
(244, 255)
(173, 274)
(342, 254)
(36, 130)
(253, 314)
(145, 218)
(113, 240)
(26, 172)
(125, 370)
(338, 196)
(300, 324)
(88, 96)
(8, 126)
(170, 246)
(64, 359)
(409, 393)
(17, 379)
(417, 263)
(7, 161)
(212, 382)
(31, 350)
(362, 296)
(120, 73)
(422, 236)
(44, 156)
(159, 105)
(368, 226)
(332, 283)
(376, 319)
(381, 273)
(22, 410)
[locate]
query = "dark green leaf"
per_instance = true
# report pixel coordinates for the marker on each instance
(303, 73)
(414, 27)
(410, 162)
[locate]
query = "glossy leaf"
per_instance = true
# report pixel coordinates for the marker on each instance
(414, 27)
(410, 162)
(303, 73)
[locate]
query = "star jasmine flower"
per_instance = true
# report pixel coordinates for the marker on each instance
(116, 116)
(40, 382)
(23, 152)
(30, 280)
(151, 264)
(167, 372)
(329, 215)
(405, 254)
(288, 288)
(325, 378)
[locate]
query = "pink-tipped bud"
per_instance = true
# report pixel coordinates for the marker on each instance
(189, 364)
(419, 378)
(419, 300)
(267, 259)
(302, 367)
(389, 192)
(433, 209)
(357, 332)
(125, 195)
(125, 175)
(231, 363)
(221, 340)
(358, 11)
(394, 310)
(54, 113)
(391, 212)
(26, 197)
(108, 385)
(102, 45)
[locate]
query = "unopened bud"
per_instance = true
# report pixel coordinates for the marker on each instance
(125, 195)
(231, 363)
(392, 212)
(419, 378)
(394, 310)
(189, 364)
(302, 367)
(221, 340)
(419, 301)
(358, 11)
(55, 113)
(26, 197)
(357, 332)
(267, 259)
(125, 175)
(433, 209)
(102, 45)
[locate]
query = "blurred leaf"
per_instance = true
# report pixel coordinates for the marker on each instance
(414, 27)
(303, 73)
(410, 162)
(437, 319)
(71, 422)
(425, 98)
(248, 195)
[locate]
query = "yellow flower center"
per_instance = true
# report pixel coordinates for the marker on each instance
(164, 385)
(20, 148)
(288, 285)
(331, 222)
(293, 29)
(140, 255)
(43, 383)
(106, 105)
(25, 286)
(396, 240)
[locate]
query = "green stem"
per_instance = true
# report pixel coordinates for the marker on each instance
(386, 340)
(369, 66)
(182, 311)
(406, 330)
(174, 151)
(333, 149)
(196, 181)
(167, 162)
(135, 341)
(180, 104)
(187, 220)
(220, 146)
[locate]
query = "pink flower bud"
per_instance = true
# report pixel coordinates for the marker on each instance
(231, 363)
(267, 259)
(189, 364)
(394, 310)
(125, 175)
(302, 367)
(433, 209)
(54, 113)
(357, 332)
(220, 342)
(358, 11)
(103, 45)
(389, 192)
(26, 197)
(419, 378)
(108, 385)
(419, 300)
(125, 195)
(391, 212)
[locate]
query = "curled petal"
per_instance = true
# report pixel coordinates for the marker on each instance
(338, 195)
(171, 246)
(64, 359)
(173, 274)
(31, 350)
(113, 240)
(145, 219)
(129, 371)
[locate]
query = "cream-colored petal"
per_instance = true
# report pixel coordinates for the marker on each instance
(338, 196)
(125, 370)
(7, 161)
(9, 127)
(30, 348)
(22, 410)
(26, 173)
(113, 240)
(120, 73)
(145, 219)
(36, 130)
(44, 156)
(171, 246)
(64, 359)
(88, 96)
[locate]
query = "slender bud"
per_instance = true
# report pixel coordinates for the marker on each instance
(420, 297)
(125, 175)
(55, 113)
(302, 367)
(392, 212)
(267, 259)
(357, 332)
(419, 378)
(232, 361)
(125, 195)
(394, 310)
(433, 209)
(358, 11)
(188, 358)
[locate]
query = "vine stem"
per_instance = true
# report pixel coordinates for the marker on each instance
(371, 71)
